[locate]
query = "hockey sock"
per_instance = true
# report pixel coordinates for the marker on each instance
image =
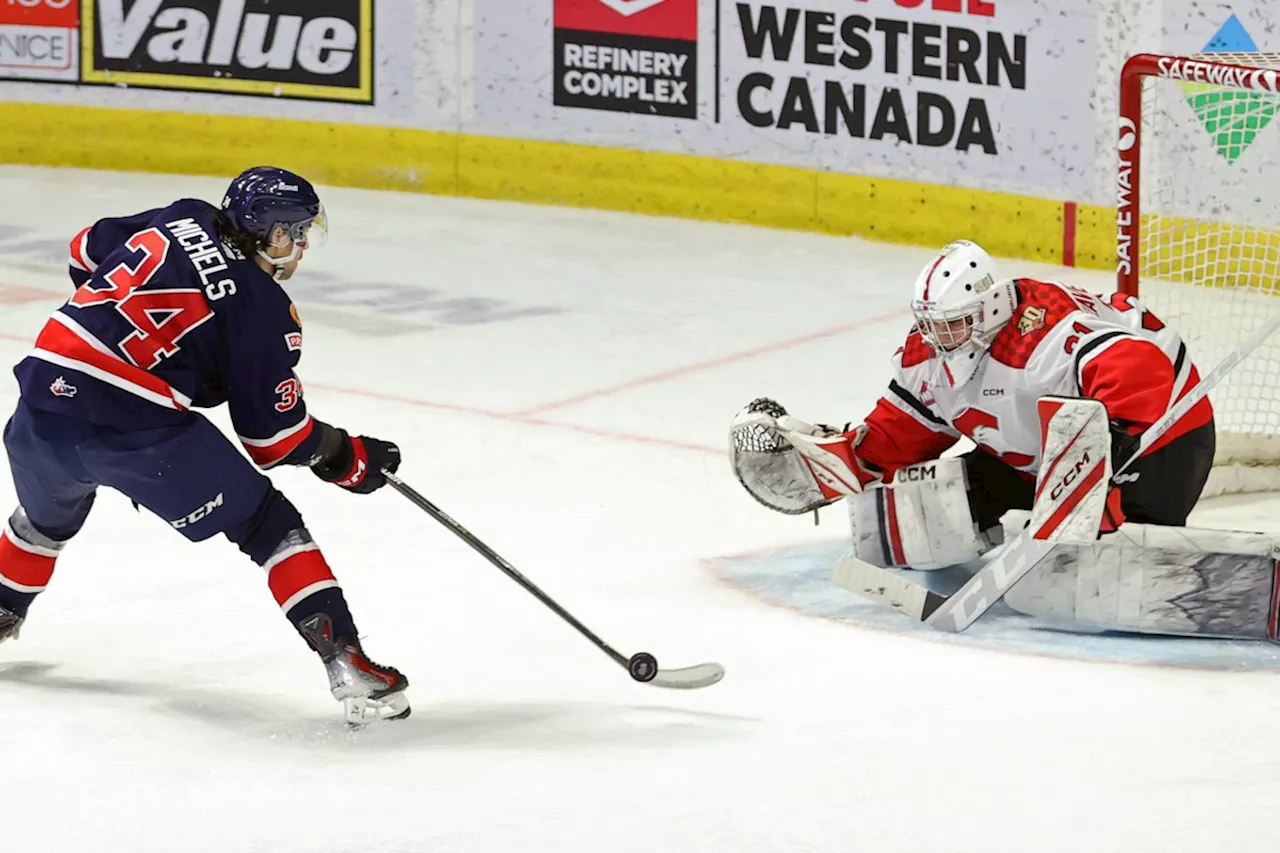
(25, 570)
(303, 584)
(297, 574)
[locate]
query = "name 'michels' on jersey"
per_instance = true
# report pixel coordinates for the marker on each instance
(1062, 341)
(167, 317)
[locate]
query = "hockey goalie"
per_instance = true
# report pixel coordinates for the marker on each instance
(983, 353)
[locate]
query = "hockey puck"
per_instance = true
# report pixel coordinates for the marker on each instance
(643, 666)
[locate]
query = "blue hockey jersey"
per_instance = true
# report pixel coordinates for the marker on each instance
(168, 317)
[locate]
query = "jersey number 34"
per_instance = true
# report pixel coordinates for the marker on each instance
(160, 317)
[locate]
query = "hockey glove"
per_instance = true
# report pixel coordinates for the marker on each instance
(355, 464)
(1123, 442)
(828, 454)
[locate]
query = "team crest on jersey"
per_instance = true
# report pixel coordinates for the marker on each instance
(1032, 319)
(926, 396)
(62, 388)
(293, 340)
(293, 312)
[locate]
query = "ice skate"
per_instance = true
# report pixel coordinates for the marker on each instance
(368, 691)
(10, 624)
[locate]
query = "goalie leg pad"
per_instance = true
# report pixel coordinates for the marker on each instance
(1154, 579)
(920, 520)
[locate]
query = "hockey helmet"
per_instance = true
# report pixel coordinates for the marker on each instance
(276, 208)
(960, 302)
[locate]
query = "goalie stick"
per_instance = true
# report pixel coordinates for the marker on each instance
(642, 666)
(956, 612)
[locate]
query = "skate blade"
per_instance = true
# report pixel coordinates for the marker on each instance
(361, 711)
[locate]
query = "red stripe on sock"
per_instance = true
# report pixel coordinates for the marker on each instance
(22, 568)
(295, 574)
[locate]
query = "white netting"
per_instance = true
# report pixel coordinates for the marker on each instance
(1208, 255)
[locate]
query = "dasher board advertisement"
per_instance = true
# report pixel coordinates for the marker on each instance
(1212, 150)
(994, 94)
(636, 56)
(310, 49)
(39, 40)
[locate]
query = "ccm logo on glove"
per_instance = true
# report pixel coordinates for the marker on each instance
(355, 464)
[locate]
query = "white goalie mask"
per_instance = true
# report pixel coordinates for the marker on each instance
(960, 304)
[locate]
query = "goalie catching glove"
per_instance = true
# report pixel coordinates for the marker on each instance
(792, 466)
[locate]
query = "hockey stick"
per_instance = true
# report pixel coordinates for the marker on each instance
(956, 612)
(642, 666)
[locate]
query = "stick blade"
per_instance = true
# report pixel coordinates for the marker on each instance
(689, 677)
(885, 587)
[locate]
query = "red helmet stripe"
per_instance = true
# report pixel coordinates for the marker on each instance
(928, 279)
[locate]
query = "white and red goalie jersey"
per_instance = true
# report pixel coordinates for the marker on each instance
(1062, 341)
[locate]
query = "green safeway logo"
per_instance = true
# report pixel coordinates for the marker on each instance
(1233, 117)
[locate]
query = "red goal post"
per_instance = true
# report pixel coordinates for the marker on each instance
(1198, 230)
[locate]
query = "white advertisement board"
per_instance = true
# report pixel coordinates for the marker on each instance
(39, 39)
(1214, 153)
(985, 93)
(1012, 95)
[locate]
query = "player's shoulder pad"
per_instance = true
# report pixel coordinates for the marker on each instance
(193, 223)
(914, 352)
(1042, 306)
(187, 208)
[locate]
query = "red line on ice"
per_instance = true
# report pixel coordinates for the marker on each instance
(690, 369)
(527, 416)
(517, 418)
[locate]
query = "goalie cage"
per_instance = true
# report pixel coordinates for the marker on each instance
(1198, 232)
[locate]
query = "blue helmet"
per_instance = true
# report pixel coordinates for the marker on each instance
(263, 197)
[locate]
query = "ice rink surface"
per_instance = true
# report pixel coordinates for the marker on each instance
(561, 381)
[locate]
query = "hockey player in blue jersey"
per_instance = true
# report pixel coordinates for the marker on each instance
(180, 308)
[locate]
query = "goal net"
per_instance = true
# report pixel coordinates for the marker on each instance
(1198, 232)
